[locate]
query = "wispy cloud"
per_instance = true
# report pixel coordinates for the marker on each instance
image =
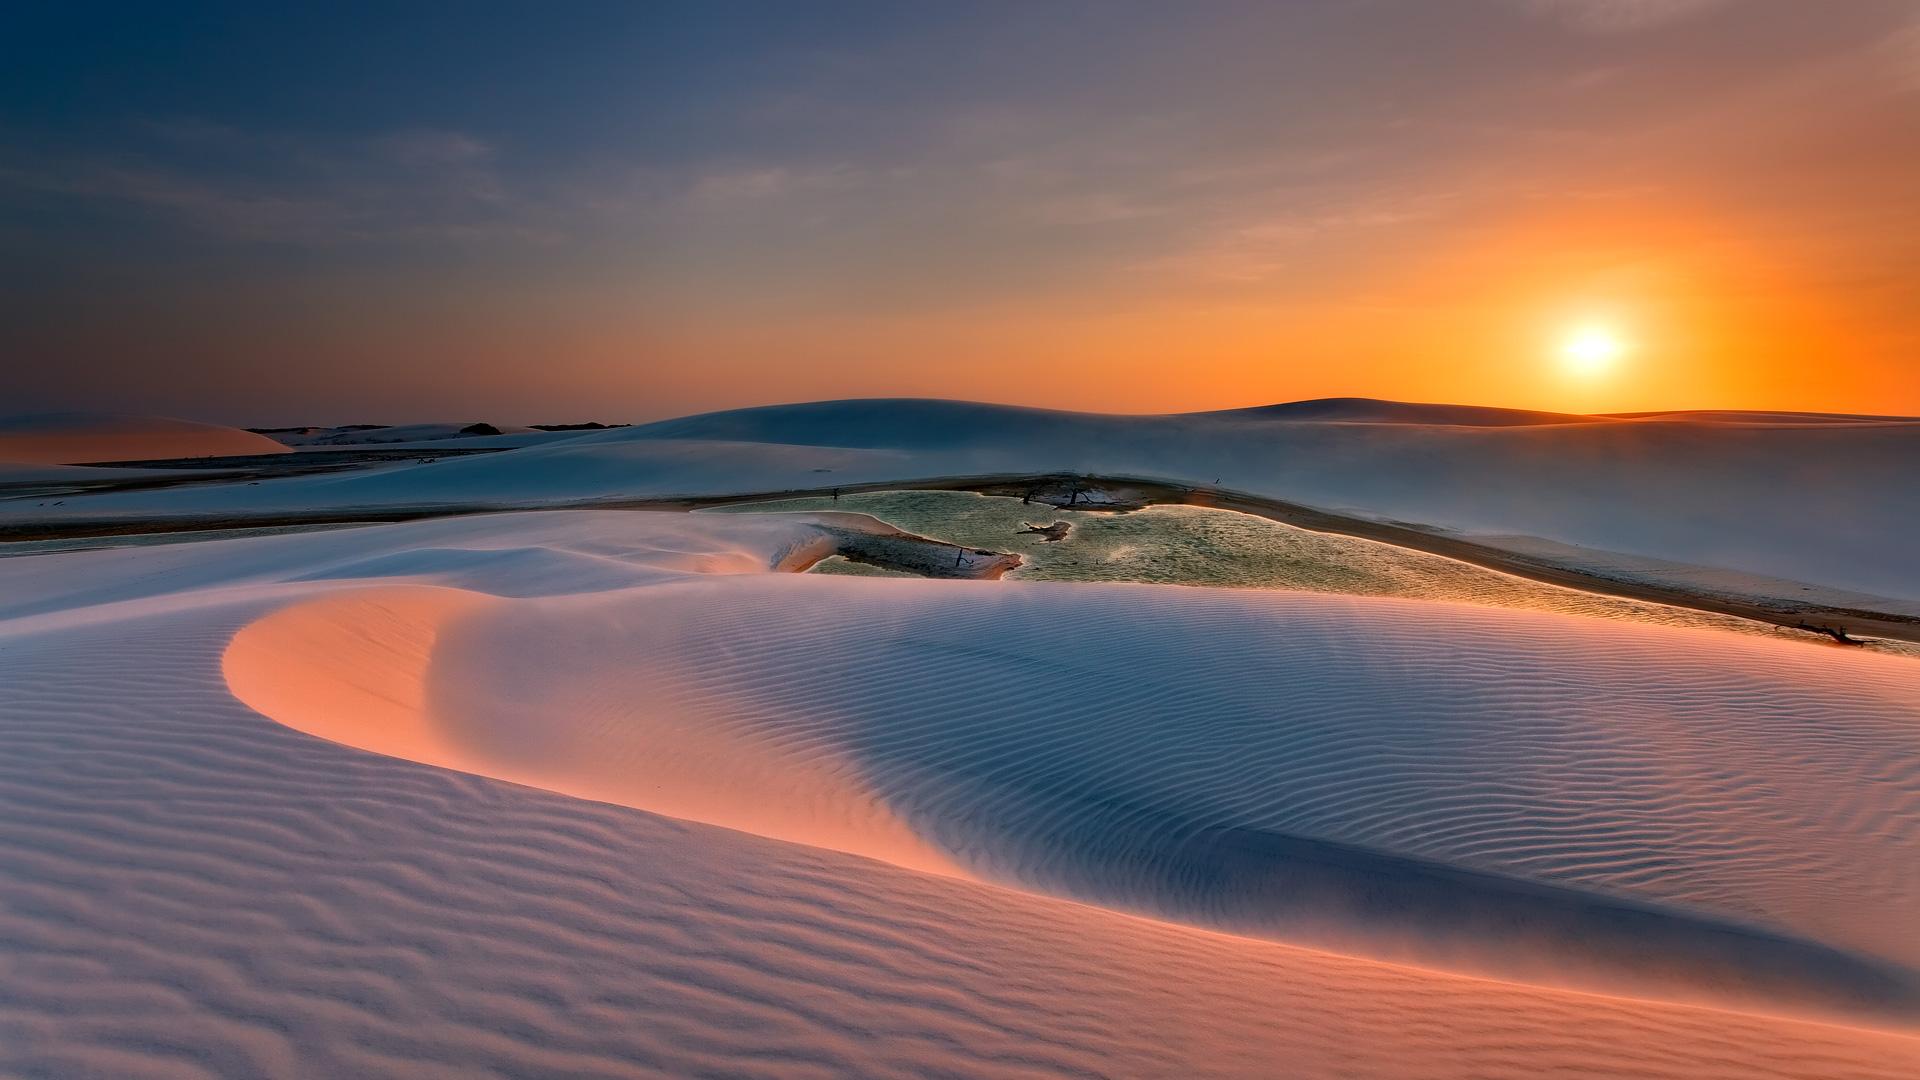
(1619, 16)
(422, 148)
(770, 183)
(1252, 249)
(226, 211)
(231, 184)
(1901, 51)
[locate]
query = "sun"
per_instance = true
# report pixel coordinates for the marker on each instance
(1592, 350)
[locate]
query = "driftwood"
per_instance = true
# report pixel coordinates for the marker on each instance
(1048, 533)
(1837, 633)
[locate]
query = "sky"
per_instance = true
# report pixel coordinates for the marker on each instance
(267, 214)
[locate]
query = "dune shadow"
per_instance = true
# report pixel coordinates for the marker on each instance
(1117, 851)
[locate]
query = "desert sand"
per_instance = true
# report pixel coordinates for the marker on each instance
(1770, 507)
(85, 438)
(617, 793)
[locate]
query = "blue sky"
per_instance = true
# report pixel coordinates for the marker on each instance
(341, 212)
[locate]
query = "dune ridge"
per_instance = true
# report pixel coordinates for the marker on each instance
(88, 438)
(1778, 506)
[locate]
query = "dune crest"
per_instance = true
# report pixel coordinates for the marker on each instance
(1797, 510)
(87, 438)
(352, 667)
(357, 668)
(1402, 803)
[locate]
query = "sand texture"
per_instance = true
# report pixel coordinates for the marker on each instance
(606, 794)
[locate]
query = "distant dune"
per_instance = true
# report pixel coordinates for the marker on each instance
(86, 438)
(1736, 416)
(1781, 508)
(369, 435)
(1378, 411)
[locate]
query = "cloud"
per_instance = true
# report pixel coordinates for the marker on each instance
(1901, 50)
(235, 185)
(425, 148)
(1618, 16)
(226, 212)
(1095, 208)
(1262, 248)
(732, 187)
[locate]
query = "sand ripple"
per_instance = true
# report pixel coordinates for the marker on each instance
(1526, 795)
(189, 889)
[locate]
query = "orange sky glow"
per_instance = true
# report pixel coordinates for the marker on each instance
(1280, 201)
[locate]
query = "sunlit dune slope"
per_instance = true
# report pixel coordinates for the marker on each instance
(70, 438)
(358, 668)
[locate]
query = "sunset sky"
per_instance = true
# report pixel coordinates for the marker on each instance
(556, 212)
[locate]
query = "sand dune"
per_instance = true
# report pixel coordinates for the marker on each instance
(1377, 411)
(83, 438)
(395, 433)
(1207, 547)
(189, 888)
(1742, 416)
(1772, 507)
(429, 437)
(1449, 791)
(357, 668)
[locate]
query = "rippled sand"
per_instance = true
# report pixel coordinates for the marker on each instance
(758, 823)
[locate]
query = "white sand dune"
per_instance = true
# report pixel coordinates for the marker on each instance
(189, 888)
(83, 438)
(1758, 505)
(363, 668)
(1740, 416)
(393, 433)
(1351, 410)
(430, 436)
(1456, 789)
